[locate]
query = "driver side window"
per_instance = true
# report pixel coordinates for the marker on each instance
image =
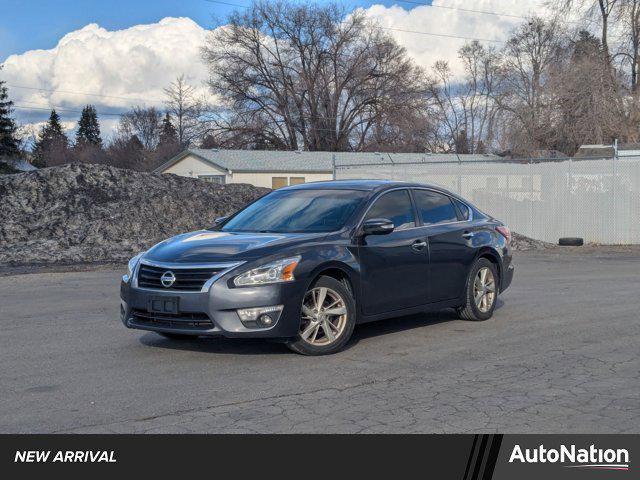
(395, 206)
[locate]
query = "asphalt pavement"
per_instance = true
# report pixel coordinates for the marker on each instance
(560, 355)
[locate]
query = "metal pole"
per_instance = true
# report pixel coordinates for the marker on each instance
(572, 211)
(531, 232)
(614, 179)
(333, 166)
(459, 174)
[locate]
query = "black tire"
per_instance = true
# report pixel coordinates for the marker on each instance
(177, 336)
(571, 242)
(303, 347)
(471, 311)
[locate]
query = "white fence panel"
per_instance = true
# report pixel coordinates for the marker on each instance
(598, 200)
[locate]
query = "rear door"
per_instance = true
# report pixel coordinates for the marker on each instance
(450, 237)
(394, 266)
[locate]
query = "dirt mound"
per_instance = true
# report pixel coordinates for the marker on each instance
(520, 243)
(94, 213)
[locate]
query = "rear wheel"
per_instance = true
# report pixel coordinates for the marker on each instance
(327, 318)
(481, 291)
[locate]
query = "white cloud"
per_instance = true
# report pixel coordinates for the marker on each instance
(426, 49)
(135, 63)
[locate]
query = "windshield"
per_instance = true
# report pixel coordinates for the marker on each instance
(297, 211)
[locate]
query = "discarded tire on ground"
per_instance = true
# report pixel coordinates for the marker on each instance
(571, 242)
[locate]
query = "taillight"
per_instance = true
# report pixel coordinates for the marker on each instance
(505, 232)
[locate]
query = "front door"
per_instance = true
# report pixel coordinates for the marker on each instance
(394, 266)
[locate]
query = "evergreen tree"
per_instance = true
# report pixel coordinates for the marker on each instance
(52, 144)
(88, 128)
(168, 144)
(168, 133)
(9, 145)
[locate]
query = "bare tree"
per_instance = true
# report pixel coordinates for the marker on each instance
(143, 123)
(187, 110)
(528, 57)
(467, 107)
(309, 76)
(628, 15)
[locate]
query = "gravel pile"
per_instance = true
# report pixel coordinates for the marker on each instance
(95, 213)
(521, 243)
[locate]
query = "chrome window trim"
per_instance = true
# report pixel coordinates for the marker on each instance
(225, 266)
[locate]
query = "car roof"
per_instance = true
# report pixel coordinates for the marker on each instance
(364, 185)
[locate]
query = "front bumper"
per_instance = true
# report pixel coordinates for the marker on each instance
(214, 312)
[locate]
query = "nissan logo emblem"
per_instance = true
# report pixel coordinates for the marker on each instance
(167, 279)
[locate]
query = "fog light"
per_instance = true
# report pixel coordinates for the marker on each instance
(260, 316)
(265, 320)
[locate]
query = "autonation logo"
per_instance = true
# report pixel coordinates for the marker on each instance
(589, 458)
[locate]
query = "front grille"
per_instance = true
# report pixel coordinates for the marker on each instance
(187, 279)
(182, 320)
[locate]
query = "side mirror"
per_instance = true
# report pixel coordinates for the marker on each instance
(377, 226)
(218, 221)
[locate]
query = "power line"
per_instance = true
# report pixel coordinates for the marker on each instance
(59, 109)
(432, 34)
(443, 35)
(81, 93)
(470, 10)
(227, 3)
(413, 2)
(466, 10)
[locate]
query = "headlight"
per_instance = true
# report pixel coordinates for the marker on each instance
(274, 272)
(131, 266)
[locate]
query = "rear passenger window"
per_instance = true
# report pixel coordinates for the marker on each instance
(434, 207)
(462, 208)
(395, 206)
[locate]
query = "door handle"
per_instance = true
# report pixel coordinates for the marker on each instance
(468, 235)
(418, 245)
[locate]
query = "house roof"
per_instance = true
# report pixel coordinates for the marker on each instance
(303, 161)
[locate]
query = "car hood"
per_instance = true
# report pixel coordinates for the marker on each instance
(206, 246)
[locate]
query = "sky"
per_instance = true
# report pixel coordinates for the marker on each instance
(117, 53)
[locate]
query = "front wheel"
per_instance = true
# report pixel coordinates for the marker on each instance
(327, 318)
(481, 291)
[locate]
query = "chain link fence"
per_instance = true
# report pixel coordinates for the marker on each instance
(597, 199)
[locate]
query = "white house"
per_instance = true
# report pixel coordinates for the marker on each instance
(261, 168)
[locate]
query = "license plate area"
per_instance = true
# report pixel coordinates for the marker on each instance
(163, 305)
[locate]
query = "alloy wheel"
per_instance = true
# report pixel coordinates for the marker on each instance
(324, 316)
(484, 289)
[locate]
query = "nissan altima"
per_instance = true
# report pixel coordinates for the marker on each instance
(307, 263)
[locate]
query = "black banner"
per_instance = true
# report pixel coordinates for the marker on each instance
(460, 457)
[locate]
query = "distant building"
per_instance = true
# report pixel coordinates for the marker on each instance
(276, 169)
(607, 151)
(594, 151)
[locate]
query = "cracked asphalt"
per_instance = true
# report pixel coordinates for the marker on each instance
(560, 355)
